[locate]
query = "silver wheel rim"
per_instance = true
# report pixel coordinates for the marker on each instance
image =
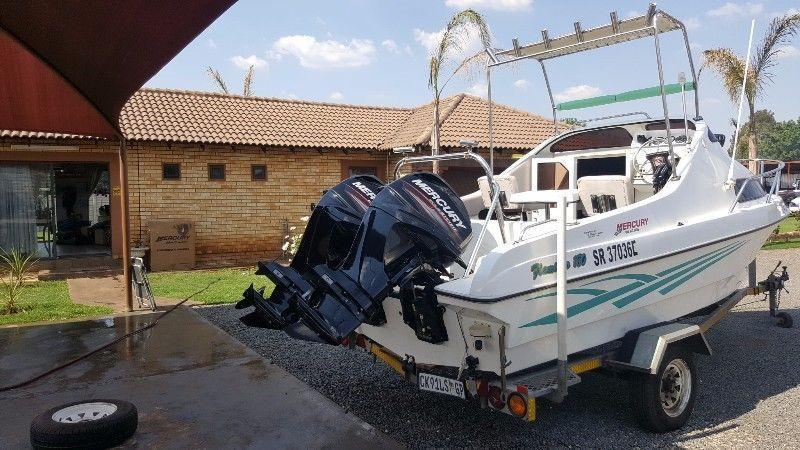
(84, 412)
(675, 387)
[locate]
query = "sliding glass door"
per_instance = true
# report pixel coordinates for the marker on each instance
(27, 209)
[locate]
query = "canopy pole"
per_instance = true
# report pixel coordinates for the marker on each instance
(667, 124)
(550, 93)
(561, 297)
(489, 95)
(741, 103)
(125, 228)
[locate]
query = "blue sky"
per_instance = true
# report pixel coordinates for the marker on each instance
(374, 52)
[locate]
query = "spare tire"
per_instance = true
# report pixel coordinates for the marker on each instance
(96, 424)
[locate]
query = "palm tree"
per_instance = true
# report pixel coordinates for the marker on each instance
(247, 84)
(730, 68)
(452, 43)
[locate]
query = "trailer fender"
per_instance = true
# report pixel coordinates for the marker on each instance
(647, 347)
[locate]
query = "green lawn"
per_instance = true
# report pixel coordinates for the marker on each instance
(227, 287)
(47, 301)
(787, 225)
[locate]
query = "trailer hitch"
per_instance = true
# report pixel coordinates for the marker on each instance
(772, 287)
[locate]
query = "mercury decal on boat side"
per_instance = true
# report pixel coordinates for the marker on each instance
(446, 209)
(614, 252)
(631, 226)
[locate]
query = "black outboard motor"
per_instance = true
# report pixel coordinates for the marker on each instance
(415, 227)
(330, 232)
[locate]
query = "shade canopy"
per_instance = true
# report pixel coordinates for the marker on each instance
(69, 67)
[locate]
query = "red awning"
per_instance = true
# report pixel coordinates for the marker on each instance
(69, 67)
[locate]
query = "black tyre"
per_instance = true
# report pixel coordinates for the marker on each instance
(92, 424)
(784, 320)
(664, 401)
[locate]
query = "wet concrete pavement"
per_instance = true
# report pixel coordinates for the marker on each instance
(194, 387)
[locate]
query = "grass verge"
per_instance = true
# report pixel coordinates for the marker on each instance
(45, 301)
(227, 285)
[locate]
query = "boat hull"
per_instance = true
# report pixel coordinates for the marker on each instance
(601, 308)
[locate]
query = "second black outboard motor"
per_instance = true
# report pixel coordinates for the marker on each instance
(330, 232)
(415, 228)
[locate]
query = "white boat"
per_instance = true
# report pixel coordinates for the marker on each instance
(599, 233)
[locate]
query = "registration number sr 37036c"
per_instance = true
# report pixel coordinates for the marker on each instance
(614, 252)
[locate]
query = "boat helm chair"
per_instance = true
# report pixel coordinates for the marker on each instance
(603, 193)
(508, 186)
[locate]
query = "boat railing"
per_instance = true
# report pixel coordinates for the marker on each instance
(773, 189)
(493, 208)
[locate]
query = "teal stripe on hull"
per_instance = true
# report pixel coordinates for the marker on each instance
(665, 281)
(702, 265)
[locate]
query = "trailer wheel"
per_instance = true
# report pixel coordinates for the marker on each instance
(664, 401)
(784, 320)
(86, 424)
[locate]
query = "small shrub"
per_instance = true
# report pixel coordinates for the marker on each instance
(14, 266)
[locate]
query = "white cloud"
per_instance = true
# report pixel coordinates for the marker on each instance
(737, 9)
(711, 101)
(328, 54)
(522, 84)
(470, 42)
(479, 89)
(245, 63)
(577, 93)
(788, 12)
(408, 50)
(210, 43)
(499, 5)
(391, 46)
(336, 95)
(787, 51)
(692, 23)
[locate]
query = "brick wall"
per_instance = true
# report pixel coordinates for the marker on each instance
(237, 220)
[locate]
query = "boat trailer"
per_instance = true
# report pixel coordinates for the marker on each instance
(640, 357)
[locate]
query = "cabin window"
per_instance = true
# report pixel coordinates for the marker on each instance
(612, 165)
(588, 140)
(674, 124)
(551, 175)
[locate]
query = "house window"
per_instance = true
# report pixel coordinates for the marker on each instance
(258, 172)
(375, 168)
(171, 171)
(216, 172)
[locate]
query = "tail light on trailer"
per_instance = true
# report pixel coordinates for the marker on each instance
(517, 405)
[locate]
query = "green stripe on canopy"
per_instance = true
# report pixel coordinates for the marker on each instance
(637, 94)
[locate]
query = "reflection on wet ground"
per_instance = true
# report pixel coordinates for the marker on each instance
(192, 383)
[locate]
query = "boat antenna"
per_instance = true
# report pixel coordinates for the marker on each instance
(741, 104)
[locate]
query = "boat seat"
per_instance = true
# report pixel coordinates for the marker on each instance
(603, 193)
(508, 186)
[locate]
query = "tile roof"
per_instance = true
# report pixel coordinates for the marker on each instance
(201, 117)
(465, 116)
(181, 116)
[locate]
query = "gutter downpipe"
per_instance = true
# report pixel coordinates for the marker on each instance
(667, 124)
(126, 245)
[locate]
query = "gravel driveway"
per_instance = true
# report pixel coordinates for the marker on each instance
(749, 394)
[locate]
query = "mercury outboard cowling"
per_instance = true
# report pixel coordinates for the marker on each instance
(330, 232)
(415, 224)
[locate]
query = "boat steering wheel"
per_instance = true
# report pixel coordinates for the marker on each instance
(642, 165)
